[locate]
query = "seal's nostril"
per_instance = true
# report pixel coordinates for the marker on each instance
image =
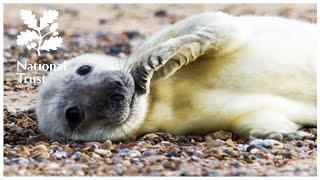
(117, 97)
(116, 84)
(119, 83)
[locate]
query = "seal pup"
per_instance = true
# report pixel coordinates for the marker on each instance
(251, 75)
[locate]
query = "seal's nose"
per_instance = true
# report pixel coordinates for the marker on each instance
(118, 89)
(117, 92)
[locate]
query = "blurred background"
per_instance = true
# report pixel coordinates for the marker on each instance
(147, 18)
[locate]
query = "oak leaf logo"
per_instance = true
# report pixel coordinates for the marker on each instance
(36, 37)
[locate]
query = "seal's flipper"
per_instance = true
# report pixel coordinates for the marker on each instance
(166, 58)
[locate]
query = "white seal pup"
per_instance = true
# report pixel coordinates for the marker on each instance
(251, 75)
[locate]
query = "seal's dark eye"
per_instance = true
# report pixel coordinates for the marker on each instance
(74, 117)
(83, 70)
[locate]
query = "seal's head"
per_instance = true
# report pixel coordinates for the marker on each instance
(93, 98)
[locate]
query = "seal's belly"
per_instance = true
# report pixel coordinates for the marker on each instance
(256, 70)
(210, 93)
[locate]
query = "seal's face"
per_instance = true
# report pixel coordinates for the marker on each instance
(92, 99)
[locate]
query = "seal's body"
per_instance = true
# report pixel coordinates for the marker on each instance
(250, 75)
(265, 78)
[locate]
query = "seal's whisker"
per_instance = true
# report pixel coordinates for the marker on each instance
(47, 104)
(34, 107)
(130, 67)
(124, 132)
(119, 63)
(58, 107)
(125, 64)
(134, 130)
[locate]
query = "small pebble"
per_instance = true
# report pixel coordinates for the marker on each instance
(103, 152)
(267, 143)
(103, 21)
(223, 135)
(254, 151)
(107, 144)
(59, 154)
(13, 32)
(7, 54)
(130, 153)
(132, 34)
(183, 141)
(160, 13)
(148, 153)
(152, 137)
(41, 147)
(216, 143)
(53, 166)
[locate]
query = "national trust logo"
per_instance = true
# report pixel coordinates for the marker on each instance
(42, 36)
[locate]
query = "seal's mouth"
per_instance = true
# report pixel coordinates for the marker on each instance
(122, 116)
(130, 111)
